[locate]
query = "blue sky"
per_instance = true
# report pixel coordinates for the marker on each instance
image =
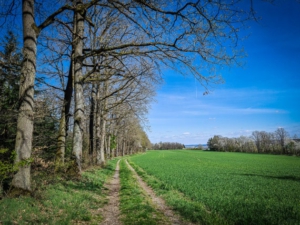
(264, 94)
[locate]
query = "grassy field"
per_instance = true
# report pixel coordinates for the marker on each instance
(226, 188)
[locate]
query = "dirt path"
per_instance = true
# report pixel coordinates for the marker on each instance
(111, 210)
(159, 202)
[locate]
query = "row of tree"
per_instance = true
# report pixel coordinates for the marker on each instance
(277, 142)
(97, 63)
(120, 133)
(167, 146)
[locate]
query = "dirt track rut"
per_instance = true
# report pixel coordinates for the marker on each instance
(111, 211)
(159, 202)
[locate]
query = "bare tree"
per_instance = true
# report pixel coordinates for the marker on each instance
(23, 144)
(257, 139)
(281, 135)
(260, 141)
(25, 119)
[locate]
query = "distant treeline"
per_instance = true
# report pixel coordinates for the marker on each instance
(195, 147)
(167, 146)
(277, 142)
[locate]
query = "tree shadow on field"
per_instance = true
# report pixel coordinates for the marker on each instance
(85, 186)
(292, 178)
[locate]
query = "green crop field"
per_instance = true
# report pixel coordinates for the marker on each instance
(226, 188)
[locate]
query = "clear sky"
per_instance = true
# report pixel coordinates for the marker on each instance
(262, 95)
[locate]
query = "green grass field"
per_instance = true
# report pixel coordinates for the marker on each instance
(226, 188)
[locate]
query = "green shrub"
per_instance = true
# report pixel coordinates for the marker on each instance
(6, 168)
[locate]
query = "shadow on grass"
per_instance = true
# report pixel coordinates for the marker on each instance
(292, 178)
(85, 186)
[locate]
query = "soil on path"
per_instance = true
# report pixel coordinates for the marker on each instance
(111, 212)
(159, 202)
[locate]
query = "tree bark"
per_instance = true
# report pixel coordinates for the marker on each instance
(100, 152)
(92, 125)
(98, 123)
(78, 89)
(109, 155)
(23, 146)
(117, 150)
(123, 147)
(61, 143)
(64, 120)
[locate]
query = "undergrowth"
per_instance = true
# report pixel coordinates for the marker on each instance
(60, 201)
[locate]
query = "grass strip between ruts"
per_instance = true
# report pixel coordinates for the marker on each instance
(135, 205)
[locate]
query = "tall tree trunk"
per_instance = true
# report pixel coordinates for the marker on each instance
(68, 97)
(123, 147)
(117, 150)
(21, 179)
(98, 123)
(92, 125)
(61, 143)
(103, 132)
(108, 146)
(94, 105)
(78, 89)
(64, 120)
(100, 152)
